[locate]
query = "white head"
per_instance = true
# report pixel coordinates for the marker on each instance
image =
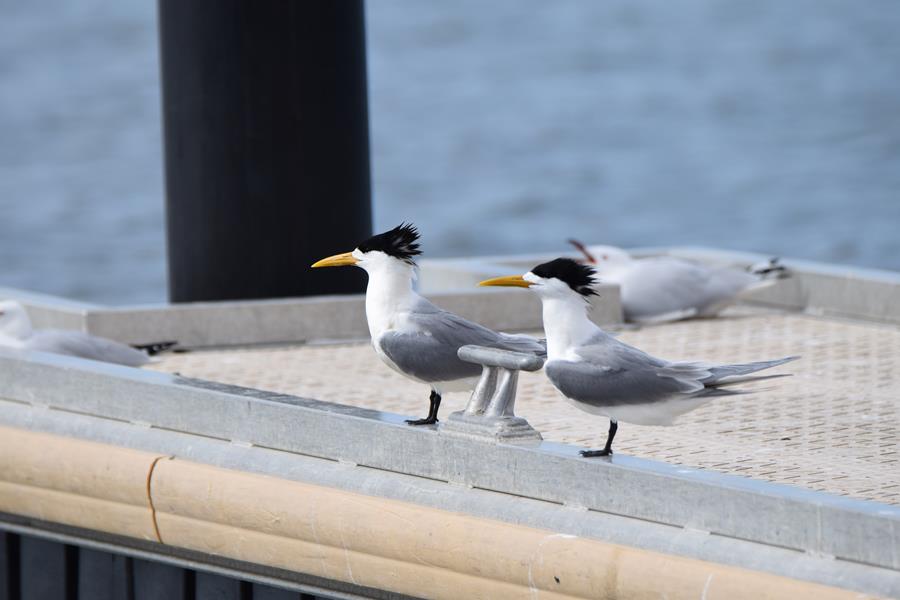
(603, 257)
(14, 321)
(560, 279)
(609, 255)
(564, 286)
(393, 251)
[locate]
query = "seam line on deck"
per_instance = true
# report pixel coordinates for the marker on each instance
(150, 497)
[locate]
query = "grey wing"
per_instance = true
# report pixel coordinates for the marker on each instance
(83, 345)
(523, 343)
(725, 285)
(613, 373)
(429, 353)
(673, 286)
(602, 386)
(719, 372)
(426, 358)
(456, 331)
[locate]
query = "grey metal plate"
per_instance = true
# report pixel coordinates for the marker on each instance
(726, 505)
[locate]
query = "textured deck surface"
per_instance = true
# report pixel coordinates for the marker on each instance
(834, 426)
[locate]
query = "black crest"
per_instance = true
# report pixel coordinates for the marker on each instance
(578, 276)
(400, 242)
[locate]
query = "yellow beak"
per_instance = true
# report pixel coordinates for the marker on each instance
(508, 281)
(338, 260)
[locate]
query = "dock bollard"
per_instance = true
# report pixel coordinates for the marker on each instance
(490, 412)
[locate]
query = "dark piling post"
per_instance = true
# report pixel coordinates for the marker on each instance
(266, 145)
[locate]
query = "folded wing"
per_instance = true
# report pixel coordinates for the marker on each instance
(83, 345)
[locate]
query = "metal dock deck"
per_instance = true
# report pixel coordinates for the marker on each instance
(834, 426)
(306, 478)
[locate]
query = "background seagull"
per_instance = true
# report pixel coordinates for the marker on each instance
(604, 376)
(666, 288)
(16, 332)
(410, 334)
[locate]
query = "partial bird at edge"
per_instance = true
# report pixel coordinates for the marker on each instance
(16, 332)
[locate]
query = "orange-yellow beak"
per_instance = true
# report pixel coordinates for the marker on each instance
(338, 260)
(508, 281)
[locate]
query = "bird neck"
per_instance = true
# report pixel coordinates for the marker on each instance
(389, 292)
(566, 325)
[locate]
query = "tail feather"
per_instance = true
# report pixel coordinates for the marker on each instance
(770, 269)
(720, 372)
(155, 348)
(712, 392)
(739, 380)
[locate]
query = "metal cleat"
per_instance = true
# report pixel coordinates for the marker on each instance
(490, 412)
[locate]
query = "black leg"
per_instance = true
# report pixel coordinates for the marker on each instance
(607, 450)
(431, 419)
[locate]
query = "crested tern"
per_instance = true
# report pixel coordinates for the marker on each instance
(602, 375)
(16, 332)
(410, 334)
(667, 288)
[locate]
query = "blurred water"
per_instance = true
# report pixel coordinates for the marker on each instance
(497, 127)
